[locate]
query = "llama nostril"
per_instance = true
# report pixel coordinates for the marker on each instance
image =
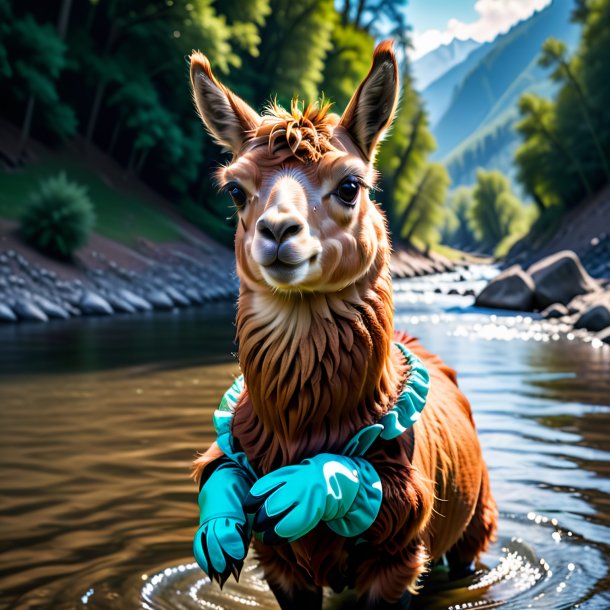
(278, 231)
(290, 230)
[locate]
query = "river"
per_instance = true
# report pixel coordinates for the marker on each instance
(100, 419)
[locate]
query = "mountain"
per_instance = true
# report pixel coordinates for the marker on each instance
(472, 107)
(433, 65)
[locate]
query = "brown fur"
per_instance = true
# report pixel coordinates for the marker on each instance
(319, 362)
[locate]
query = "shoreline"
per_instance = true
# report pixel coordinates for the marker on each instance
(108, 278)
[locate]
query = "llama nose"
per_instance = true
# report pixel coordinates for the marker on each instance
(278, 229)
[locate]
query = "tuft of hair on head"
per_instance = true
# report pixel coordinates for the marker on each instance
(306, 129)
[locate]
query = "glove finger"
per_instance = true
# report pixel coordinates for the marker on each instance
(204, 559)
(198, 550)
(233, 543)
(217, 557)
(299, 521)
(265, 485)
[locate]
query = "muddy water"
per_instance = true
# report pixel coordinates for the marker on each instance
(99, 421)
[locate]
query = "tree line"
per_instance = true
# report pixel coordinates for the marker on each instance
(564, 157)
(115, 74)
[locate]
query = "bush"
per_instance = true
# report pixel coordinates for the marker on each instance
(58, 218)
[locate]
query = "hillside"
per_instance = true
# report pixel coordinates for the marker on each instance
(476, 128)
(435, 64)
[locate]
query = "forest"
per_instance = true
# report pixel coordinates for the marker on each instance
(563, 155)
(114, 74)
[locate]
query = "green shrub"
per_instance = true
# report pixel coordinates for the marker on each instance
(58, 217)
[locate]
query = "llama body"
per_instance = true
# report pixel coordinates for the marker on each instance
(316, 345)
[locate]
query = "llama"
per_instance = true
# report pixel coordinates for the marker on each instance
(320, 364)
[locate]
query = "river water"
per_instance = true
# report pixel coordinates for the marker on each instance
(100, 419)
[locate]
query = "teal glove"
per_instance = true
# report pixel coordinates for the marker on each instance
(289, 502)
(222, 540)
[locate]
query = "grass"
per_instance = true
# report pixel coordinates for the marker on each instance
(120, 216)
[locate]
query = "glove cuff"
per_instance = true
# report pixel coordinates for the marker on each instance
(223, 494)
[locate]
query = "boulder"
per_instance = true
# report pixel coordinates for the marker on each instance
(595, 319)
(193, 296)
(177, 297)
(53, 310)
(28, 311)
(511, 289)
(120, 305)
(133, 299)
(7, 314)
(159, 300)
(92, 304)
(556, 310)
(559, 278)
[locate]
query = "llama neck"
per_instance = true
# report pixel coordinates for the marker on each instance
(317, 368)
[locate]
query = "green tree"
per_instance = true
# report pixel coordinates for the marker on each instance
(35, 57)
(565, 154)
(295, 39)
(554, 54)
(496, 215)
(456, 230)
(406, 175)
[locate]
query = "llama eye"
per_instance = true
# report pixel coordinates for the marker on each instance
(348, 190)
(237, 194)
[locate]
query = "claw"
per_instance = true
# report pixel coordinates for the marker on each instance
(236, 569)
(222, 578)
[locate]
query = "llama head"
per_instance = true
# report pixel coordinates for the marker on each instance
(300, 181)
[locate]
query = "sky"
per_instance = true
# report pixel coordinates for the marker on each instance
(437, 22)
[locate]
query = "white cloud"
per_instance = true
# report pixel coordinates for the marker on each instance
(495, 17)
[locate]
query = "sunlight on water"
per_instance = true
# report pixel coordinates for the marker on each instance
(543, 567)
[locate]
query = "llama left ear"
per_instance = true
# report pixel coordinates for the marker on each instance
(229, 119)
(371, 109)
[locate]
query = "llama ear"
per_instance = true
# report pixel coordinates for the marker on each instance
(371, 109)
(226, 116)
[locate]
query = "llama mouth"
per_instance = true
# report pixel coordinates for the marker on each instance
(280, 274)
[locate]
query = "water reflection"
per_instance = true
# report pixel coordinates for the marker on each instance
(95, 498)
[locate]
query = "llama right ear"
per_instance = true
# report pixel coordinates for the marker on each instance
(371, 109)
(226, 116)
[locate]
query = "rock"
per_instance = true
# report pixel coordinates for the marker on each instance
(7, 314)
(512, 289)
(177, 297)
(53, 310)
(193, 295)
(92, 304)
(559, 278)
(597, 318)
(604, 335)
(120, 305)
(28, 311)
(133, 299)
(556, 310)
(159, 300)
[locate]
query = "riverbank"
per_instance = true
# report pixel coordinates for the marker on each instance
(108, 278)
(560, 289)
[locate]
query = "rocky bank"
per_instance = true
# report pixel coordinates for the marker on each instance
(560, 288)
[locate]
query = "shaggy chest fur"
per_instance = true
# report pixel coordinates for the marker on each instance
(317, 368)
